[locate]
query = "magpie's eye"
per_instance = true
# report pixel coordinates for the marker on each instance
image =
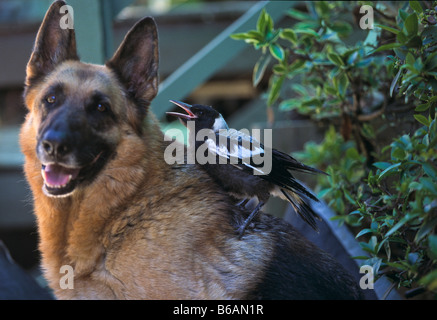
(51, 99)
(200, 113)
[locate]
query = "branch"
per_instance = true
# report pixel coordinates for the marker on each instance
(370, 116)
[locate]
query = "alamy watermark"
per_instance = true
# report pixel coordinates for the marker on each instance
(227, 147)
(366, 21)
(367, 281)
(67, 280)
(67, 20)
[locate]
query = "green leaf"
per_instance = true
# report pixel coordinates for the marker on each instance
(429, 33)
(279, 69)
(414, 42)
(401, 222)
(288, 34)
(322, 8)
(382, 243)
(430, 280)
(432, 143)
(395, 80)
(415, 186)
(308, 32)
(411, 24)
(364, 231)
(277, 51)
(252, 36)
(398, 154)
(299, 15)
(269, 23)
(352, 153)
(401, 37)
(432, 243)
(255, 35)
(431, 61)
(290, 104)
(341, 83)
(422, 107)
(312, 102)
(341, 27)
(390, 29)
(422, 119)
(389, 170)
(410, 59)
(426, 229)
(430, 170)
(388, 46)
(403, 15)
(240, 36)
(299, 89)
(349, 197)
(360, 257)
(400, 53)
(261, 23)
(275, 88)
(260, 68)
(296, 65)
(330, 90)
(382, 165)
(335, 59)
(324, 192)
(415, 5)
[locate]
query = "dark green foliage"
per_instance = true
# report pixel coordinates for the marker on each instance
(378, 90)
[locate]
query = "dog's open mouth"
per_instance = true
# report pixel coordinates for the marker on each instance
(59, 181)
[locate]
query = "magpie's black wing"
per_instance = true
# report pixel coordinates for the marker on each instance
(245, 147)
(292, 164)
(240, 149)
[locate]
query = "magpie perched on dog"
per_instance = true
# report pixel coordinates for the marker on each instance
(236, 170)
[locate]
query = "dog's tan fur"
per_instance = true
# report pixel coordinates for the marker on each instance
(143, 228)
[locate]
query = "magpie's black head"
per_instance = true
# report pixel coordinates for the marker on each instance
(205, 117)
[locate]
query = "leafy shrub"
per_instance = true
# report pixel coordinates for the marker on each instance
(378, 94)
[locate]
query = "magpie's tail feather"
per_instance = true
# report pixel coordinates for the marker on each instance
(303, 209)
(286, 181)
(292, 164)
(295, 187)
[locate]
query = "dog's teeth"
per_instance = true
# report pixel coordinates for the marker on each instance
(70, 177)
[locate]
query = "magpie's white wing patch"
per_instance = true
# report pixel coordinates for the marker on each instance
(217, 149)
(238, 146)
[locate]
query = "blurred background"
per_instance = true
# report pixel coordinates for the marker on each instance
(199, 63)
(185, 28)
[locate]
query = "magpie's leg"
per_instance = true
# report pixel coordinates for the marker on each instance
(242, 203)
(249, 219)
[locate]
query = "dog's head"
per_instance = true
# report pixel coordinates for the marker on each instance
(78, 112)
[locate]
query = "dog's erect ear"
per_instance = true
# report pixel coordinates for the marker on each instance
(53, 45)
(136, 60)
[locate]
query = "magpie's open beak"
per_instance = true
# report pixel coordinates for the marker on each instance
(186, 107)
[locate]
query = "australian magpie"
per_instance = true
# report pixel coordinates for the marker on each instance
(236, 170)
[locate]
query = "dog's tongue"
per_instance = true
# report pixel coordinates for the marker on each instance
(57, 176)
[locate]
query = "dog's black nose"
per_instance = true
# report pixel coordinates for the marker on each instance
(55, 144)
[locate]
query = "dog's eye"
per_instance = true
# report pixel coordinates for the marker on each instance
(101, 107)
(51, 99)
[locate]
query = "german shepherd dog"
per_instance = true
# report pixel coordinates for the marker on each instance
(130, 225)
